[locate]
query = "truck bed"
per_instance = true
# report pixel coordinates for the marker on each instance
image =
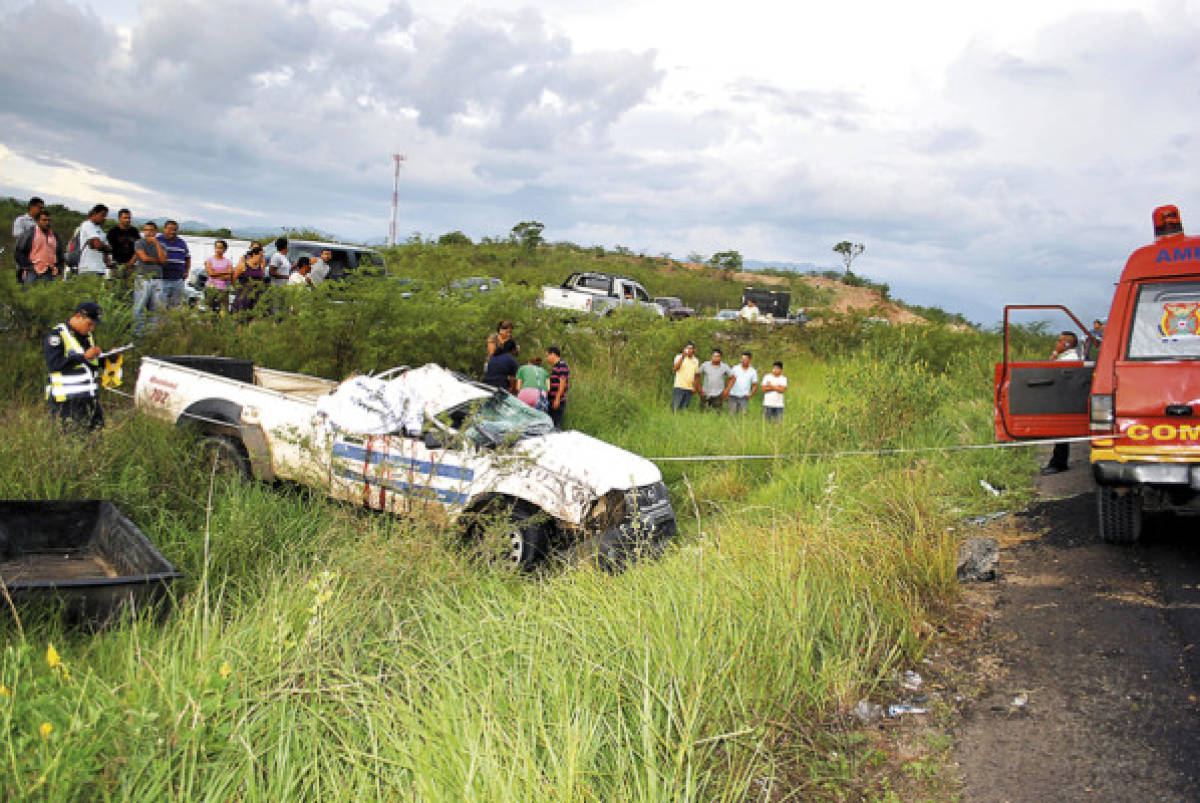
(245, 371)
(82, 556)
(47, 566)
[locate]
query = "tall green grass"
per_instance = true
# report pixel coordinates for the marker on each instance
(314, 650)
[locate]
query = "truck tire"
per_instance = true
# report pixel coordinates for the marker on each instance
(230, 456)
(1119, 514)
(511, 534)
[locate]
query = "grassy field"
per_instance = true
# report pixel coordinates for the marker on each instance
(321, 651)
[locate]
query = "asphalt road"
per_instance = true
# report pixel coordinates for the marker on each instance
(1091, 660)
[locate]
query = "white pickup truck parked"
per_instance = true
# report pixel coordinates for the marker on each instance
(597, 293)
(420, 439)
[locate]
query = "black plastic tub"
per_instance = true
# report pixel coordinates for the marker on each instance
(82, 555)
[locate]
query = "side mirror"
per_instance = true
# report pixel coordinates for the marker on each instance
(433, 439)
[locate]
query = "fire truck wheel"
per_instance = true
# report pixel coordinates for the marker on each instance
(1120, 515)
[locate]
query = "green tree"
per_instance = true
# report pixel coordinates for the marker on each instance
(529, 233)
(849, 251)
(726, 260)
(454, 238)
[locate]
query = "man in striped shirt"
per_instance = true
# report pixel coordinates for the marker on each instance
(560, 380)
(177, 267)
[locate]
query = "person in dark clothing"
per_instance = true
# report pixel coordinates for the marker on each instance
(123, 237)
(502, 367)
(560, 379)
(73, 369)
(24, 225)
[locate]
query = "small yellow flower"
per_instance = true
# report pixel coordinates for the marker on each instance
(45, 729)
(226, 670)
(52, 656)
(5, 691)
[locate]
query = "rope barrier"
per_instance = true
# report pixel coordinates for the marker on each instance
(728, 458)
(877, 452)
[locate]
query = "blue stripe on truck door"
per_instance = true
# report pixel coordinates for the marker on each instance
(445, 496)
(374, 458)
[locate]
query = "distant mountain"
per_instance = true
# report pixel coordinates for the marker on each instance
(774, 264)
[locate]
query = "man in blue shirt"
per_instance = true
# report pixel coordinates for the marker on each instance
(179, 262)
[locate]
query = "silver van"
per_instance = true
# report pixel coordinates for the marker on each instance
(346, 261)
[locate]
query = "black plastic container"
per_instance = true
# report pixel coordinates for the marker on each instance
(82, 555)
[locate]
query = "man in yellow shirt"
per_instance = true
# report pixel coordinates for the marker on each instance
(687, 380)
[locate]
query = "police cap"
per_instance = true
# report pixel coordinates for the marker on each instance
(89, 309)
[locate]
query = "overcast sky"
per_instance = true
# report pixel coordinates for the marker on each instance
(984, 154)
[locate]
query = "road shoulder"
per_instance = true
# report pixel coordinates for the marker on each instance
(1078, 681)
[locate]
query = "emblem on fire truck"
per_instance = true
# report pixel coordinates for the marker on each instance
(1180, 319)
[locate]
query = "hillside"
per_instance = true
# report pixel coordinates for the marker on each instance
(436, 264)
(835, 295)
(851, 299)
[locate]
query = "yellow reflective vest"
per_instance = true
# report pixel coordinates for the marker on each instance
(76, 381)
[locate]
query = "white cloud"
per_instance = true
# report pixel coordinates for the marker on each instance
(982, 153)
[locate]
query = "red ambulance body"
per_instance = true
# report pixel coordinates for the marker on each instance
(1139, 400)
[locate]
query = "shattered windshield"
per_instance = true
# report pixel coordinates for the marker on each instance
(504, 419)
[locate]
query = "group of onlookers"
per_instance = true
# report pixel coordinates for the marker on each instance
(157, 263)
(539, 387)
(721, 386)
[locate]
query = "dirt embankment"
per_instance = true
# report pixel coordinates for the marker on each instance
(846, 298)
(861, 299)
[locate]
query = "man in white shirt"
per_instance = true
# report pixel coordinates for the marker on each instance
(93, 243)
(320, 266)
(1065, 348)
(774, 385)
(280, 267)
(743, 381)
(749, 312)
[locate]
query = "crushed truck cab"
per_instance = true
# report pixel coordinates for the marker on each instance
(1139, 402)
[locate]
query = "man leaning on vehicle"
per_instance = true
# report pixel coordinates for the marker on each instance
(1065, 348)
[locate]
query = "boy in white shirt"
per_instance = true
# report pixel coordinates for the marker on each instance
(774, 385)
(300, 273)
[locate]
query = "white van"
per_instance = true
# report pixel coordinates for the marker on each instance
(201, 248)
(346, 260)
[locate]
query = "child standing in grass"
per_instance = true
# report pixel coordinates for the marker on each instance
(774, 385)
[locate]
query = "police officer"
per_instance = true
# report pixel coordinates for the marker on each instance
(73, 369)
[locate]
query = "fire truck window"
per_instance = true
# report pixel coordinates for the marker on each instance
(1166, 322)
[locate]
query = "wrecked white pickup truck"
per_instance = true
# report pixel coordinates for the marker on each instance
(421, 439)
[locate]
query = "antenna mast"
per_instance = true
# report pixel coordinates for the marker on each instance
(398, 158)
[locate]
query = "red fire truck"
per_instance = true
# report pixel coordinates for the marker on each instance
(1139, 400)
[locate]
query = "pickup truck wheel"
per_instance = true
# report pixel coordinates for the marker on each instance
(231, 459)
(512, 535)
(1120, 515)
